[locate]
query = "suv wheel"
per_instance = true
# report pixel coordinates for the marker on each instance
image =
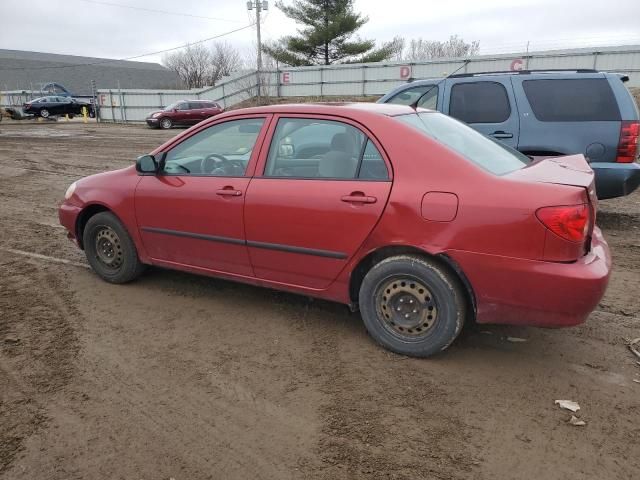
(412, 306)
(110, 250)
(166, 123)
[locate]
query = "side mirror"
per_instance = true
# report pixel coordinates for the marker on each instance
(147, 164)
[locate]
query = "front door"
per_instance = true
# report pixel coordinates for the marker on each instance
(191, 214)
(314, 200)
(486, 105)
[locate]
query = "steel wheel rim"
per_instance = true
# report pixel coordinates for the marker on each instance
(406, 307)
(44, 113)
(108, 248)
(166, 123)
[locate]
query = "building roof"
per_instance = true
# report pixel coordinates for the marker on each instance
(22, 70)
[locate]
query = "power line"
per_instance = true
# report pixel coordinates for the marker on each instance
(153, 10)
(111, 60)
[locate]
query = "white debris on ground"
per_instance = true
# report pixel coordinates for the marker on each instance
(568, 405)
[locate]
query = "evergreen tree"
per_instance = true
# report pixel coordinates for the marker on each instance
(326, 37)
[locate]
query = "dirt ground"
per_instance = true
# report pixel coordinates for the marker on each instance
(186, 377)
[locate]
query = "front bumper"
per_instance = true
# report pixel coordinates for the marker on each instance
(152, 122)
(615, 179)
(529, 292)
(68, 216)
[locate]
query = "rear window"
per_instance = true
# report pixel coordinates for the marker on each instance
(571, 100)
(480, 102)
(488, 154)
(428, 95)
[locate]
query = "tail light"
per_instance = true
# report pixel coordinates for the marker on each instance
(628, 143)
(27, 105)
(570, 222)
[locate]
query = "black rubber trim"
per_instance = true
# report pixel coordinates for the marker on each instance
(303, 250)
(199, 236)
(237, 241)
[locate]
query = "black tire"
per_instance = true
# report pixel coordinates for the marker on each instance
(44, 113)
(165, 123)
(110, 250)
(412, 306)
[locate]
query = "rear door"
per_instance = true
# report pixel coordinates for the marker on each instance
(319, 190)
(486, 105)
(197, 111)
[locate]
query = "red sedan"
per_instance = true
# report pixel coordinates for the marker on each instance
(414, 218)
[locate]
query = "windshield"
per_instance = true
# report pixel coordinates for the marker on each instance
(485, 152)
(171, 107)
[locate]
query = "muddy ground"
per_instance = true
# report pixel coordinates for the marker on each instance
(185, 377)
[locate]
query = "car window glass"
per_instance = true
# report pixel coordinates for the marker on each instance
(571, 100)
(488, 154)
(372, 166)
(221, 150)
(310, 148)
(479, 102)
(183, 106)
(195, 106)
(409, 97)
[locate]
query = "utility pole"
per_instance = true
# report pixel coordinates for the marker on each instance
(259, 6)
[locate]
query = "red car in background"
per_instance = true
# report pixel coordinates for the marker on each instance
(411, 216)
(185, 112)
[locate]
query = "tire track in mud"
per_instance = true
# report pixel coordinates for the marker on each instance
(38, 347)
(374, 429)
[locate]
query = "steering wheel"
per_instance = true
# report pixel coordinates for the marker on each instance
(215, 164)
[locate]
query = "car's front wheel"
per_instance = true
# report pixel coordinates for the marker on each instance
(166, 123)
(44, 113)
(110, 250)
(412, 306)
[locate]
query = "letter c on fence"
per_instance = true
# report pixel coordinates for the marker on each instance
(286, 77)
(516, 64)
(405, 72)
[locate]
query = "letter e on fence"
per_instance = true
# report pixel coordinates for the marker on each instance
(405, 72)
(516, 65)
(286, 77)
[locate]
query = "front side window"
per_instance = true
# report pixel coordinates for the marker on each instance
(488, 154)
(571, 100)
(306, 148)
(429, 94)
(183, 106)
(223, 150)
(479, 102)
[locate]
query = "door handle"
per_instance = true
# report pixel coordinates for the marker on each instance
(229, 192)
(501, 134)
(358, 197)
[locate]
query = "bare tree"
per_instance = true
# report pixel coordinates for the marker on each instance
(225, 59)
(420, 49)
(192, 64)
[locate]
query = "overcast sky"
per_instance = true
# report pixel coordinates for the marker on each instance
(80, 27)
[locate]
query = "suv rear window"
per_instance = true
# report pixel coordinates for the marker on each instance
(488, 154)
(571, 100)
(479, 102)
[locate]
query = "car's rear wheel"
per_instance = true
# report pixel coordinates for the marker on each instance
(166, 123)
(44, 113)
(110, 250)
(412, 306)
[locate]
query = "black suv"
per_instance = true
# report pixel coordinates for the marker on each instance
(545, 113)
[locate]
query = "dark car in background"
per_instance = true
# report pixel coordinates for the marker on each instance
(545, 113)
(56, 105)
(185, 112)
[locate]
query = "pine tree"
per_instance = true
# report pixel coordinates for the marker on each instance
(326, 37)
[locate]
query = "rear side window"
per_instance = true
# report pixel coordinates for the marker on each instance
(571, 100)
(409, 97)
(488, 154)
(479, 102)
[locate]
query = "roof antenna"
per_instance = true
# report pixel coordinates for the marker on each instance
(414, 105)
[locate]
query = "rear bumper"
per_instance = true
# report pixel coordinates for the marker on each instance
(528, 292)
(615, 179)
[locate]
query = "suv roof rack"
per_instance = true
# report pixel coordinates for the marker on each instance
(525, 72)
